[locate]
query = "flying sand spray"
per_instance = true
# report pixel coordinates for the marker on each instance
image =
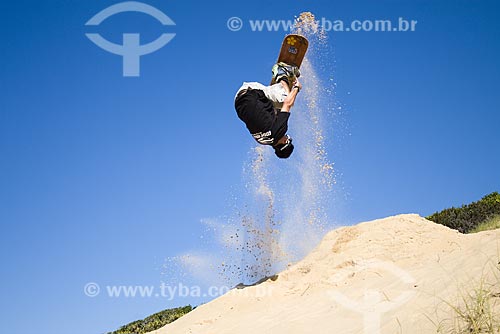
(282, 213)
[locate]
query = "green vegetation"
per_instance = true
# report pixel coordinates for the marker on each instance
(477, 313)
(469, 217)
(154, 321)
(491, 224)
(477, 310)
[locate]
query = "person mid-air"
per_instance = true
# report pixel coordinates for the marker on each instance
(265, 109)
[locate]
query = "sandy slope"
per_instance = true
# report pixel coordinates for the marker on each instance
(385, 276)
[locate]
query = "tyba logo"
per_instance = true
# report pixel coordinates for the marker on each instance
(131, 50)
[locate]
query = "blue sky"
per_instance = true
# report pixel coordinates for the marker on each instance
(102, 176)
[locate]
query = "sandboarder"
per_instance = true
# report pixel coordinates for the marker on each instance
(265, 109)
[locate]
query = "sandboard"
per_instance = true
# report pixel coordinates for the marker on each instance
(293, 50)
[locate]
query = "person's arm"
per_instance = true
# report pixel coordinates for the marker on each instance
(292, 94)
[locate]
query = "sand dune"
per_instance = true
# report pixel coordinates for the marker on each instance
(391, 275)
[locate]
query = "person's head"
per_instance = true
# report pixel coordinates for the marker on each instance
(284, 148)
